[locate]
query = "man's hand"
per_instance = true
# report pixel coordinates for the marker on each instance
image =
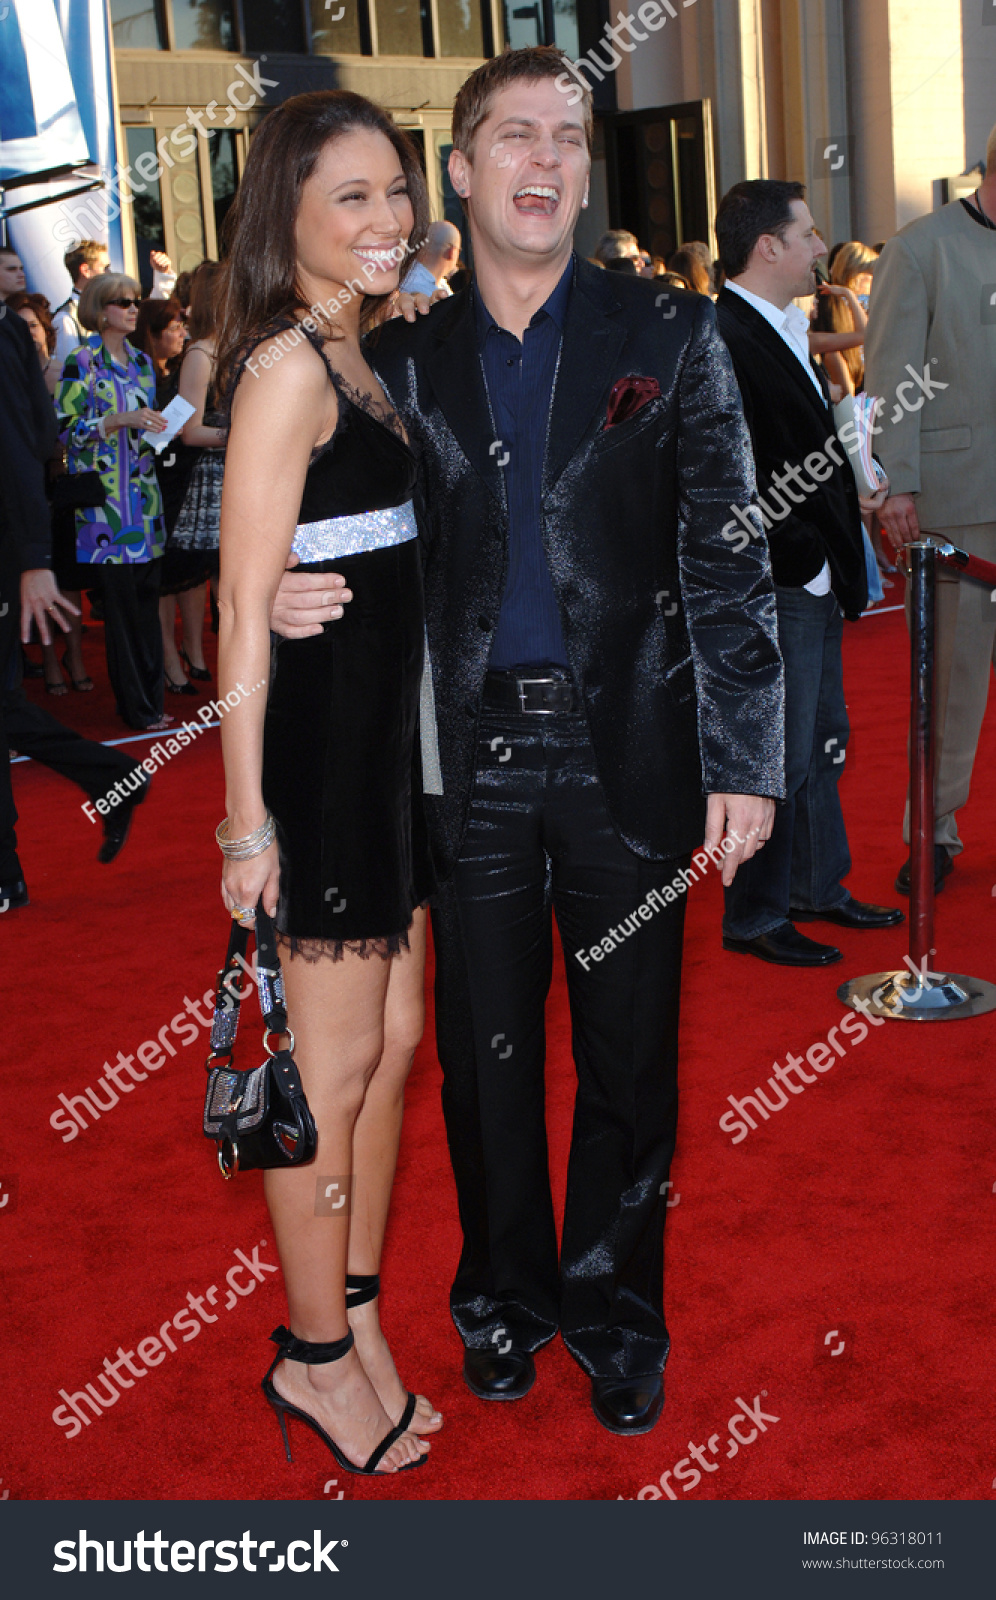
(899, 519)
(42, 603)
(411, 306)
(747, 819)
(306, 600)
(160, 261)
(874, 502)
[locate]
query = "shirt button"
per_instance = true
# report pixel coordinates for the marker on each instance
(510, 362)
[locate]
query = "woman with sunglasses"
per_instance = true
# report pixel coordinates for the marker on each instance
(106, 401)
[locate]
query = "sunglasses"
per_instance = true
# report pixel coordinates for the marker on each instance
(124, 305)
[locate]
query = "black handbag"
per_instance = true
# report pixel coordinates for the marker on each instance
(78, 491)
(258, 1118)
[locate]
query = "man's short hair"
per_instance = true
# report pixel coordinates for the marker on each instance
(747, 212)
(991, 154)
(8, 250)
(476, 96)
(88, 251)
(617, 242)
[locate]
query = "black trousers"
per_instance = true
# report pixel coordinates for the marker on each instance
(33, 732)
(540, 839)
(133, 639)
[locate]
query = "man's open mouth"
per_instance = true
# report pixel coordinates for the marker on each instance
(536, 200)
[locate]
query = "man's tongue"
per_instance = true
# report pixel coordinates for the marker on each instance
(535, 205)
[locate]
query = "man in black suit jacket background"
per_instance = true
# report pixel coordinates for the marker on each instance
(29, 593)
(606, 674)
(808, 498)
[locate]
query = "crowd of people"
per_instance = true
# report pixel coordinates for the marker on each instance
(838, 316)
(136, 532)
(496, 687)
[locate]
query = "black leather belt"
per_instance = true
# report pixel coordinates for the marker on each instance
(536, 690)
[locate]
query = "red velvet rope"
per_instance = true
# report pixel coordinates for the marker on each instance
(970, 566)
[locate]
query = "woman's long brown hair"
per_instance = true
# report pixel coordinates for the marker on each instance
(206, 285)
(261, 270)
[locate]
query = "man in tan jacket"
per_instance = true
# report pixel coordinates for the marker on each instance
(933, 315)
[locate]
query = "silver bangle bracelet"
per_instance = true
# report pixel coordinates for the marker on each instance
(253, 844)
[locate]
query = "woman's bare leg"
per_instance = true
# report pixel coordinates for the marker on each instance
(375, 1148)
(54, 680)
(172, 664)
(192, 618)
(336, 1010)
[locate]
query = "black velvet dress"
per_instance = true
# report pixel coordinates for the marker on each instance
(341, 759)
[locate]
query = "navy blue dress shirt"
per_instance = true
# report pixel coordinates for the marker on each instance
(519, 380)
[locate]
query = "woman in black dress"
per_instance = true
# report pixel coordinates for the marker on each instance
(327, 748)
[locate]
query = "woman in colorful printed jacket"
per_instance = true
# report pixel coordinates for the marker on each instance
(106, 402)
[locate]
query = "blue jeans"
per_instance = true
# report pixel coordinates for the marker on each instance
(806, 858)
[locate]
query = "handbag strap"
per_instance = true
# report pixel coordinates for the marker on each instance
(269, 978)
(269, 985)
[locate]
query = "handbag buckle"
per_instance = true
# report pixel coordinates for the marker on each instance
(229, 1164)
(268, 1032)
(215, 1056)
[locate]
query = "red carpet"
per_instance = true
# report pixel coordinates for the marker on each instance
(865, 1209)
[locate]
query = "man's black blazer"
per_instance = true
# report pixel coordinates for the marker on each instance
(670, 630)
(28, 432)
(789, 421)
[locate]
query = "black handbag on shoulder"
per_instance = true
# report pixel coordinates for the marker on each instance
(260, 1117)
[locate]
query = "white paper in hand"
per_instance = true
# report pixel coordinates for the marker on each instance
(176, 413)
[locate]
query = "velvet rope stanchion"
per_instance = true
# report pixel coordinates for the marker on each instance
(916, 993)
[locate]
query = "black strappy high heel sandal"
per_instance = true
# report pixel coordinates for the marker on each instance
(361, 1287)
(293, 1349)
(364, 1286)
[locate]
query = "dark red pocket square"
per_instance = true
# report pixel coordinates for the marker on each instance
(628, 397)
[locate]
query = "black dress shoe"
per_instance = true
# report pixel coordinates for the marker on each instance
(498, 1377)
(943, 865)
(13, 895)
(854, 914)
(786, 948)
(628, 1405)
(116, 826)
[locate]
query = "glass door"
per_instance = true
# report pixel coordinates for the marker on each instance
(662, 175)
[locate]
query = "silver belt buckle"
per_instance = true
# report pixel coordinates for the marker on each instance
(540, 711)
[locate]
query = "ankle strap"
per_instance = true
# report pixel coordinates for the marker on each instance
(300, 1350)
(361, 1287)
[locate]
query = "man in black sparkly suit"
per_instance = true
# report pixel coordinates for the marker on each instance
(608, 688)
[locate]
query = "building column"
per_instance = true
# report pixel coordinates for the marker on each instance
(818, 147)
(906, 63)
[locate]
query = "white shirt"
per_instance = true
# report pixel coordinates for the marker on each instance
(792, 326)
(789, 323)
(69, 334)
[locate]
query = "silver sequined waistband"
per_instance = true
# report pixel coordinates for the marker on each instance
(336, 537)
